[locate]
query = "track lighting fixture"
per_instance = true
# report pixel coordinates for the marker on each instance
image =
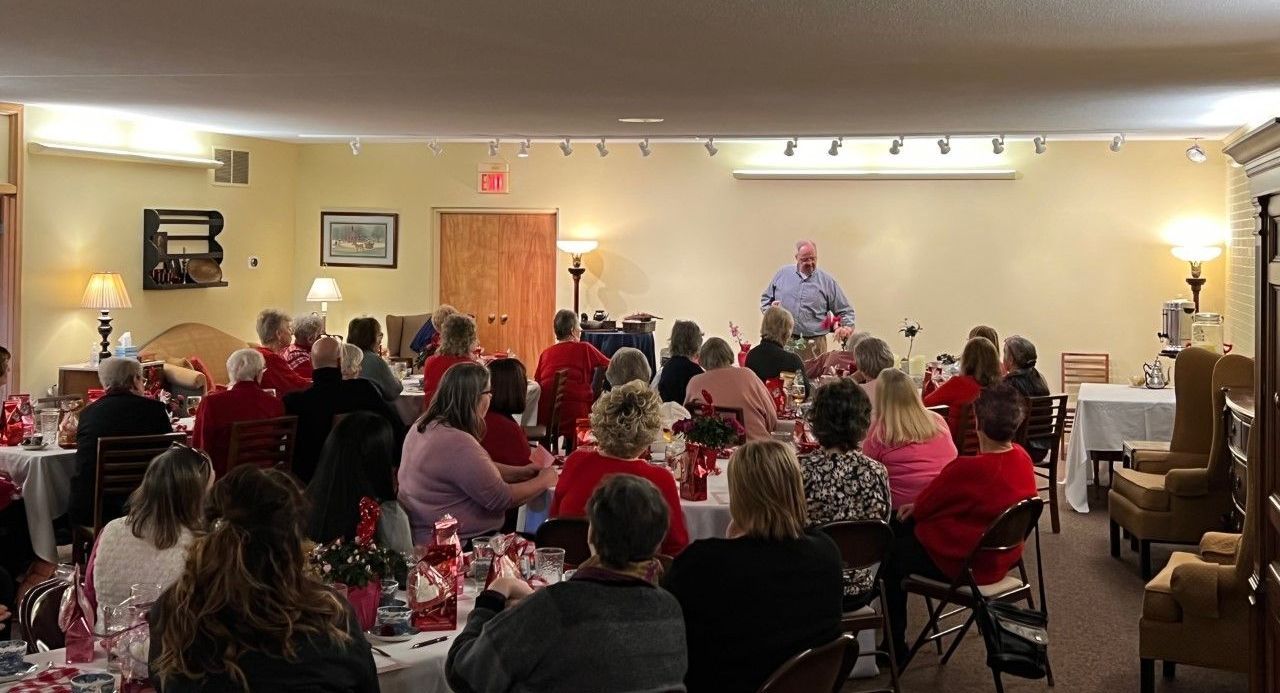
(895, 147)
(1040, 143)
(1196, 153)
(355, 147)
(836, 144)
(711, 147)
(493, 147)
(1117, 142)
(997, 145)
(645, 150)
(791, 147)
(565, 147)
(435, 147)
(524, 150)
(944, 144)
(600, 147)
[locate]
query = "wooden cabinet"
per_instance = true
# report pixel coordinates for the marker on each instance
(1238, 416)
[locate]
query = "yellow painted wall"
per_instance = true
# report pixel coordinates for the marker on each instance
(1070, 255)
(84, 215)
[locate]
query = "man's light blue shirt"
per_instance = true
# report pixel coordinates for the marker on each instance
(808, 298)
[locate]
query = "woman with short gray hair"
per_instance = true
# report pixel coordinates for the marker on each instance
(245, 364)
(627, 364)
(275, 333)
(1019, 363)
(578, 360)
(673, 381)
(734, 388)
(306, 330)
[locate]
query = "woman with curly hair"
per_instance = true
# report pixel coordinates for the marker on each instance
(246, 615)
(457, 343)
(624, 420)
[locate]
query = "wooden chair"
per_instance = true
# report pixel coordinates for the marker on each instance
(940, 409)
(122, 460)
(547, 432)
(822, 668)
(965, 436)
(38, 615)
(1045, 422)
(267, 443)
(1077, 368)
(1009, 531)
(865, 544)
(568, 533)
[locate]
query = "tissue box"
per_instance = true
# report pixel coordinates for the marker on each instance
(126, 352)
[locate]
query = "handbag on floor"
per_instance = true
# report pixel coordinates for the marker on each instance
(1017, 639)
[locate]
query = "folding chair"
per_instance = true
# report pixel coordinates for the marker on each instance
(822, 668)
(568, 533)
(38, 615)
(865, 544)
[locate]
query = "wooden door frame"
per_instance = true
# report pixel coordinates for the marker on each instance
(437, 212)
(11, 244)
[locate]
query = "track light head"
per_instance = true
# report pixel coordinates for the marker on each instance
(791, 147)
(493, 147)
(524, 150)
(895, 147)
(997, 144)
(1117, 142)
(645, 149)
(600, 147)
(565, 147)
(355, 146)
(711, 147)
(944, 144)
(1196, 153)
(435, 147)
(1041, 144)
(836, 144)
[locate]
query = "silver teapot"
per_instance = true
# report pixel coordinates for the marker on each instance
(1156, 377)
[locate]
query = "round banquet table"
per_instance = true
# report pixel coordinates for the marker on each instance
(610, 342)
(45, 479)
(409, 404)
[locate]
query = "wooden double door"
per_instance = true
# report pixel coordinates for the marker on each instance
(501, 268)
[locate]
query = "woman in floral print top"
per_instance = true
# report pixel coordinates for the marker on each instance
(841, 483)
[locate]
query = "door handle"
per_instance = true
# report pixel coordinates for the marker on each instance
(491, 318)
(504, 318)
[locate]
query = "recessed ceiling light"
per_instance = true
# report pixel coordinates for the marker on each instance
(641, 120)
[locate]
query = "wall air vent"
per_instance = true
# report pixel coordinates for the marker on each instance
(234, 169)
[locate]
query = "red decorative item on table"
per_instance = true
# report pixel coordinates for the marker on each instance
(433, 596)
(512, 557)
(695, 464)
(582, 433)
(446, 535)
(706, 435)
(364, 598)
(778, 391)
(743, 345)
(14, 431)
(75, 618)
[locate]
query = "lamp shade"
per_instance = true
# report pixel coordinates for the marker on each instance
(577, 247)
(105, 292)
(324, 289)
(1197, 253)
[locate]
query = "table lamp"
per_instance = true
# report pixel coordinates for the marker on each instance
(577, 249)
(324, 289)
(104, 292)
(1196, 254)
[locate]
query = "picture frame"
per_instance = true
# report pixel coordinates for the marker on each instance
(359, 239)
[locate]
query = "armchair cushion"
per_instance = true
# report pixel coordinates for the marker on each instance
(184, 378)
(1159, 462)
(1143, 490)
(1158, 601)
(1187, 482)
(1219, 547)
(1195, 584)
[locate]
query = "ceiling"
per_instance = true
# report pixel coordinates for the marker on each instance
(284, 68)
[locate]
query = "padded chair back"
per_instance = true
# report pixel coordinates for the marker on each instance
(817, 669)
(38, 615)
(1194, 415)
(1232, 371)
(401, 329)
(122, 460)
(568, 533)
(965, 435)
(268, 443)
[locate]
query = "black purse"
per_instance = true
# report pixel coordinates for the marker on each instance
(1017, 639)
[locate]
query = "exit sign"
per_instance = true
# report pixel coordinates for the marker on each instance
(492, 179)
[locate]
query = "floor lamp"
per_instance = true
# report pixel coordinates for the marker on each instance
(104, 292)
(1196, 254)
(577, 249)
(324, 289)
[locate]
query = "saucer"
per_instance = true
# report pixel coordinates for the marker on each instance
(33, 448)
(20, 674)
(374, 637)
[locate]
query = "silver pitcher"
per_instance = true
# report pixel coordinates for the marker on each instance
(1157, 378)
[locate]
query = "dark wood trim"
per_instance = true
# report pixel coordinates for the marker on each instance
(395, 248)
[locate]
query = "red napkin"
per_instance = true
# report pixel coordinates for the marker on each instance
(54, 680)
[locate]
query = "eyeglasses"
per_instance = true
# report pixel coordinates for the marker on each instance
(183, 446)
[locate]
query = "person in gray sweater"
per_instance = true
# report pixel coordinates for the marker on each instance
(366, 333)
(608, 628)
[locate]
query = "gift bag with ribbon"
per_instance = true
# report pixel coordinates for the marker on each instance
(512, 557)
(696, 463)
(69, 425)
(446, 535)
(14, 430)
(75, 618)
(433, 590)
(778, 392)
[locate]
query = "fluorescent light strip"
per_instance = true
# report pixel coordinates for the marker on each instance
(882, 174)
(122, 155)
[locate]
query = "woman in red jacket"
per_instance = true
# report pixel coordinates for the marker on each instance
(579, 360)
(979, 368)
(944, 525)
(457, 345)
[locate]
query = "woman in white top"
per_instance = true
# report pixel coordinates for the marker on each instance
(149, 544)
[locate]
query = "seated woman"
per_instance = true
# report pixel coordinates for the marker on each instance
(979, 368)
(149, 544)
(673, 381)
(1020, 372)
(552, 639)
(579, 360)
(427, 339)
(873, 357)
(245, 400)
(840, 482)
(306, 330)
(770, 357)
(504, 439)
(948, 518)
(366, 333)
(627, 364)
(733, 387)
(457, 345)
(275, 333)
(785, 593)
(988, 332)
(913, 443)
(352, 359)
(624, 421)
(265, 623)
(445, 471)
(838, 361)
(356, 462)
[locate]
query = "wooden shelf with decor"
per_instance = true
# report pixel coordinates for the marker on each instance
(167, 270)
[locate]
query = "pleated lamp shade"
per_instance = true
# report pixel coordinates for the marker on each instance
(105, 292)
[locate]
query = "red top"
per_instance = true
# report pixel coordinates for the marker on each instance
(433, 372)
(955, 509)
(955, 393)
(505, 440)
(580, 361)
(586, 468)
(244, 401)
(279, 375)
(299, 360)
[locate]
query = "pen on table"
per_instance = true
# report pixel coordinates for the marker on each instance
(432, 641)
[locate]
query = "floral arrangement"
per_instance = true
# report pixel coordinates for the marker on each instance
(707, 428)
(356, 563)
(831, 322)
(736, 333)
(947, 359)
(797, 345)
(910, 328)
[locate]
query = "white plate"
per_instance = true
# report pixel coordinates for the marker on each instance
(24, 673)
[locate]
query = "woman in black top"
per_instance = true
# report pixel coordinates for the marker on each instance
(1020, 372)
(245, 615)
(770, 591)
(770, 358)
(686, 340)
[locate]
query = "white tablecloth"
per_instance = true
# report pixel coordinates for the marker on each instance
(410, 405)
(1106, 416)
(45, 479)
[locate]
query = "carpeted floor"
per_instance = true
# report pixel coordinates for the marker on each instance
(1094, 604)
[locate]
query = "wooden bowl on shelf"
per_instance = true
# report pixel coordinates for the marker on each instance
(204, 271)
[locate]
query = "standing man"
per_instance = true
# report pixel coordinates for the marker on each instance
(809, 294)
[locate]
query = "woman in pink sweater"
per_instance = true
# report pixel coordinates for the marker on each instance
(913, 443)
(733, 387)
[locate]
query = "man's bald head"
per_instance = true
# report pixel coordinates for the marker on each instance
(326, 353)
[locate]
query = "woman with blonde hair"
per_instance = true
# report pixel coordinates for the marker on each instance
(246, 614)
(770, 357)
(352, 359)
(786, 591)
(624, 421)
(979, 369)
(458, 342)
(913, 443)
(733, 387)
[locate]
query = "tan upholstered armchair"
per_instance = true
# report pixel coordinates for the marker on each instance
(1196, 611)
(1193, 419)
(1179, 506)
(401, 329)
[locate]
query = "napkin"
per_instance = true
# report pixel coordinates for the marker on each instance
(540, 458)
(54, 680)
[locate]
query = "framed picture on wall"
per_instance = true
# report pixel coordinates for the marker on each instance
(359, 239)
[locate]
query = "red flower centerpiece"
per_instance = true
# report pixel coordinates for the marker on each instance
(359, 564)
(706, 434)
(743, 345)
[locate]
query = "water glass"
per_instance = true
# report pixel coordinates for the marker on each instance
(116, 620)
(392, 621)
(548, 564)
(389, 589)
(11, 654)
(481, 557)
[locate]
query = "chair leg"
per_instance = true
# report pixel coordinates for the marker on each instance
(1053, 496)
(1147, 676)
(1144, 558)
(934, 621)
(1133, 542)
(999, 684)
(892, 649)
(1168, 668)
(924, 632)
(1048, 671)
(955, 643)
(1115, 539)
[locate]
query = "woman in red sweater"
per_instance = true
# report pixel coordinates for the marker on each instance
(457, 344)
(944, 525)
(624, 421)
(579, 360)
(504, 439)
(979, 368)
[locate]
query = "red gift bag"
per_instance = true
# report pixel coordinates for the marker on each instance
(696, 465)
(778, 391)
(364, 601)
(433, 594)
(76, 617)
(512, 557)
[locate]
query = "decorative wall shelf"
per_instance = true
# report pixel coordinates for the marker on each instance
(167, 269)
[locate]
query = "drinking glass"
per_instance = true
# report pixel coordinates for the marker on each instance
(389, 588)
(548, 564)
(116, 620)
(481, 557)
(392, 621)
(11, 654)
